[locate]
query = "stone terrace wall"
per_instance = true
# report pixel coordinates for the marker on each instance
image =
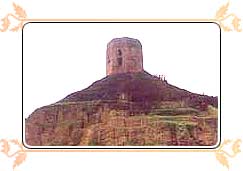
(76, 124)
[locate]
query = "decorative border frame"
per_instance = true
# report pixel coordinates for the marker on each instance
(221, 18)
(20, 15)
(221, 154)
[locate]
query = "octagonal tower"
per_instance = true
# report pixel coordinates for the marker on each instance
(124, 55)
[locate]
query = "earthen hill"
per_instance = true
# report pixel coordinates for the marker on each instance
(127, 107)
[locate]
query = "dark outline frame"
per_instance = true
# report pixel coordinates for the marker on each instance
(117, 148)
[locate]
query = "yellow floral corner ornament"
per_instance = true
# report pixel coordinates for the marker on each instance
(223, 156)
(18, 155)
(19, 15)
(222, 17)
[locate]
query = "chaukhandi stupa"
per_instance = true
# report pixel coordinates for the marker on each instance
(128, 107)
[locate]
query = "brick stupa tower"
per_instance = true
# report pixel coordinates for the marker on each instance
(124, 55)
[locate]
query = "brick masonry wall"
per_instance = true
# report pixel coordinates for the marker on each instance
(124, 55)
(87, 124)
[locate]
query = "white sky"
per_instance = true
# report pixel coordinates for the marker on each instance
(60, 59)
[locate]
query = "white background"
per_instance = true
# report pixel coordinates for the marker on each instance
(10, 88)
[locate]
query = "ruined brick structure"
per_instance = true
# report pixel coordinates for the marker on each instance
(124, 55)
(132, 108)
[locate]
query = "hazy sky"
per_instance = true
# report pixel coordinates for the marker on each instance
(60, 59)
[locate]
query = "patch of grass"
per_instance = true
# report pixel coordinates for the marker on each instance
(92, 143)
(173, 111)
(46, 125)
(212, 111)
(66, 123)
